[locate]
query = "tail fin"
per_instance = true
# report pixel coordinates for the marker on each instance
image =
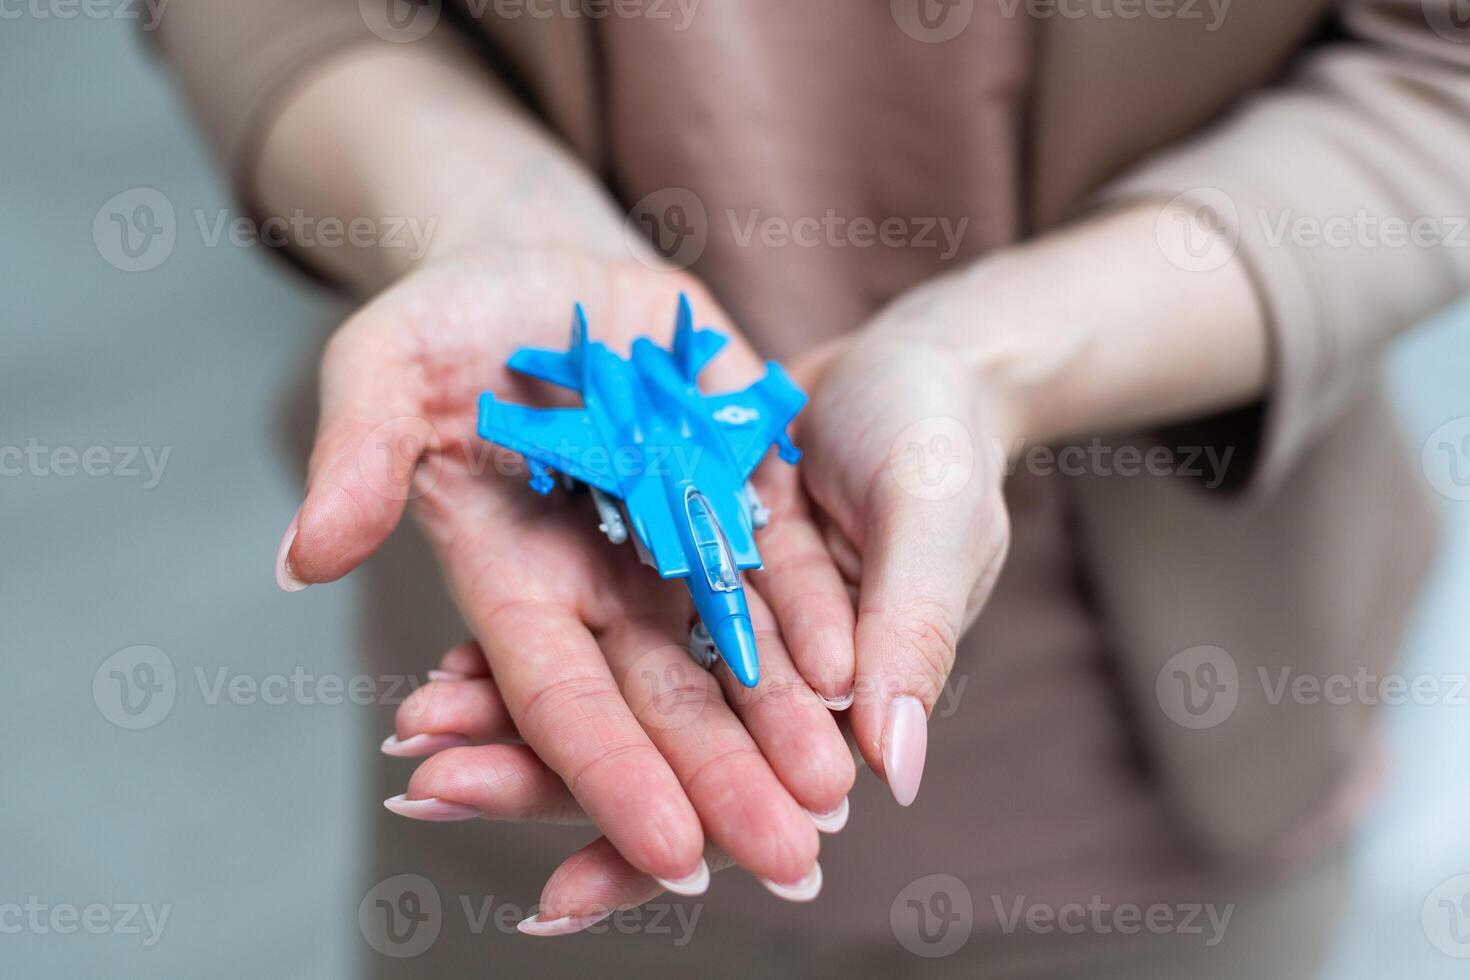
(579, 331)
(566, 369)
(693, 348)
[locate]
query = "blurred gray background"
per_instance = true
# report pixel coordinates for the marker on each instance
(222, 817)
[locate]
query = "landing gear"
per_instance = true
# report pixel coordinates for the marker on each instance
(760, 514)
(702, 648)
(611, 517)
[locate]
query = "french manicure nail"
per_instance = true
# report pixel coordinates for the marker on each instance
(286, 578)
(838, 704)
(435, 811)
(695, 884)
(905, 741)
(446, 675)
(802, 891)
(831, 823)
(418, 746)
(564, 926)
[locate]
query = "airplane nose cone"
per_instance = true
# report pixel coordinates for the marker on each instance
(735, 639)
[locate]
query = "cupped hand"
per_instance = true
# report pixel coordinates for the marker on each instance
(460, 719)
(904, 447)
(587, 647)
(905, 444)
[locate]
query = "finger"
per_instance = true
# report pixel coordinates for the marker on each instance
(368, 443)
(465, 660)
(805, 591)
(446, 713)
(589, 886)
(844, 554)
(924, 564)
(494, 782)
(795, 731)
(592, 884)
(742, 805)
(557, 686)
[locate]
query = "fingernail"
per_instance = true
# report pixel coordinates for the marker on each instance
(446, 675)
(417, 746)
(802, 891)
(905, 740)
(831, 823)
(435, 811)
(564, 926)
(838, 704)
(695, 884)
(286, 578)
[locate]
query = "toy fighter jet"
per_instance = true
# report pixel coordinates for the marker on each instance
(661, 457)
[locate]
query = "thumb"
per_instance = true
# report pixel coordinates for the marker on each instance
(369, 442)
(926, 566)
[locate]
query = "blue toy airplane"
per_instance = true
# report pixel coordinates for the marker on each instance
(678, 461)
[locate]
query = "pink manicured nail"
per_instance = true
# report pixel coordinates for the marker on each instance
(285, 578)
(564, 926)
(695, 884)
(802, 891)
(446, 675)
(905, 740)
(418, 746)
(831, 823)
(435, 811)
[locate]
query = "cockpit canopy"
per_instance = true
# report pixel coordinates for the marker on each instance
(709, 539)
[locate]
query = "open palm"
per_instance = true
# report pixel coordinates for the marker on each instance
(586, 647)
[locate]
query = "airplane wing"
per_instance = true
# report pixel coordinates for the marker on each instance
(562, 439)
(755, 419)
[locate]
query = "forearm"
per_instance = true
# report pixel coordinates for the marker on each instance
(1094, 329)
(410, 136)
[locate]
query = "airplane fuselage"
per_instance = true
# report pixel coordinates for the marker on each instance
(647, 412)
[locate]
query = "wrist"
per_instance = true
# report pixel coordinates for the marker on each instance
(969, 324)
(539, 200)
(398, 138)
(1092, 329)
